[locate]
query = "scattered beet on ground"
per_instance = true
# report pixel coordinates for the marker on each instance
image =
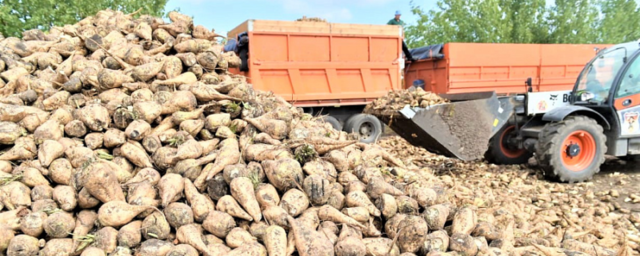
(546, 216)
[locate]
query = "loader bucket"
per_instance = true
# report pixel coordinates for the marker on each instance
(459, 129)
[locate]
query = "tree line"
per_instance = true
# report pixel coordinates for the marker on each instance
(487, 21)
(525, 21)
(20, 15)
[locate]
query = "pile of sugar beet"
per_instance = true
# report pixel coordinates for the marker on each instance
(541, 217)
(395, 100)
(125, 136)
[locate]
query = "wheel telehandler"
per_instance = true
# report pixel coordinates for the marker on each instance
(568, 132)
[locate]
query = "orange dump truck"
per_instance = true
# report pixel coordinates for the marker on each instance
(503, 68)
(336, 69)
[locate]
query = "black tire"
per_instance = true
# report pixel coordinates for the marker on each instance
(367, 127)
(552, 150)
(501, 153)
(308, 111)
(333, 121)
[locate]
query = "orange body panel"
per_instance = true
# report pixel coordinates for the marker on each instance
(474, 67)
(635, 101)
(323, 64)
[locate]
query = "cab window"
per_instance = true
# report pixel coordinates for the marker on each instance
(599, 74)
(630, 83)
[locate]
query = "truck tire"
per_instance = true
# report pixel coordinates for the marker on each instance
(571, 150)
(367, 127)
(333, 121)
(500, 152)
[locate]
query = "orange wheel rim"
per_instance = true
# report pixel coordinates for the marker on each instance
(578, 150)
(508, 152)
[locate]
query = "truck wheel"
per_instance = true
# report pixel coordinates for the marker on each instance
(308, 111)
(333, 121)
(367, 127)
(500, 152)
(571, 150)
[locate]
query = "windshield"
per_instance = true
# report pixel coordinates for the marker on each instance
(598, 76)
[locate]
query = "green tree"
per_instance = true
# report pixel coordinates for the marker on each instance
(487, 21)
(422, 33)
(19, 15)
(619, 22)
(573, 21)
(527, 20)
(455, 21)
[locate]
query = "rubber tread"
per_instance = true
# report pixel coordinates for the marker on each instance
(494, 153)
(549, 157)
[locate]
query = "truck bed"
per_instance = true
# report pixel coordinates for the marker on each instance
(474, 67)
(323, 64)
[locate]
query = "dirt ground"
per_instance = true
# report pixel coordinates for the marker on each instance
(622, 177)
(618, 175)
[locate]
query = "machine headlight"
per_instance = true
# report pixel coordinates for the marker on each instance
(586, 96)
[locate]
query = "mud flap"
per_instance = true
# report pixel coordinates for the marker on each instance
(460, 129)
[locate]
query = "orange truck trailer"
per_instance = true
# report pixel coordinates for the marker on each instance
(503, 68)
(334, 69)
